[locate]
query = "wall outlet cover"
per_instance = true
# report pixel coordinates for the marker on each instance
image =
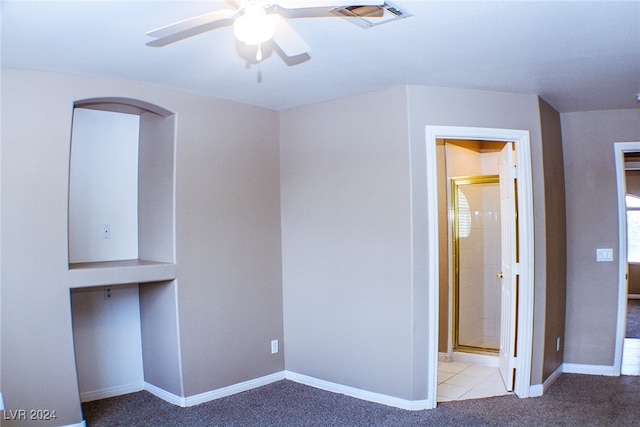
(604, 254)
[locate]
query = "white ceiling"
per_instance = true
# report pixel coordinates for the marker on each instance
(577, 55)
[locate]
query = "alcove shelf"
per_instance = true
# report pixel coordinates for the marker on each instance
(103, 273)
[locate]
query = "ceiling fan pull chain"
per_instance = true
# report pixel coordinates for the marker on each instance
(259, 53)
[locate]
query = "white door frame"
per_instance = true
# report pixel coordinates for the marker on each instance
(621, 183)
(525, 246)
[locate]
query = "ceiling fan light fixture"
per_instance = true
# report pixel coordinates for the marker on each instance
(255, 26)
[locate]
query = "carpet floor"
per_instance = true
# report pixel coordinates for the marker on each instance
(633, 318)
(573, 400)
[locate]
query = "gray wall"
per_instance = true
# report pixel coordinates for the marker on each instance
(229, 291)
(592, 222)
(555, 239)
(354, 239)
(634, 279)
(346, 242)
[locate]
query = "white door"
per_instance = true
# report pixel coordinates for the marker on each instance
(508, 276)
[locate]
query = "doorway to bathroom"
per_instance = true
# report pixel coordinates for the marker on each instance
(481, 259)
(476, 222)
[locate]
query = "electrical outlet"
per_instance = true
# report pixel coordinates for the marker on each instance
(107, 292)
(106, 231)
(274, 346)
(604, 255)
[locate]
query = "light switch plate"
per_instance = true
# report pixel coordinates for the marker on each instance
(604, 255)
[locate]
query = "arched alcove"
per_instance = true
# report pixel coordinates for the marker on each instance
(121, 247)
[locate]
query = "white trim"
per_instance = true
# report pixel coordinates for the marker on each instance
(525, 223)
(165, 395)
(234, 389)
(580, 368)
(105, 393)
(619, 149)
(410, 405)
(207, 396)
(80, 424)
(432, 267)
(633, 296)
(177, 317)
(537, 390)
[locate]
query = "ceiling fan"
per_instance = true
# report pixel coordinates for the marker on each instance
(256, 22)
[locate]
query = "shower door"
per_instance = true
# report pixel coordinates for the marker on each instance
(476, 262)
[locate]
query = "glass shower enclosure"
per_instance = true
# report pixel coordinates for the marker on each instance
(474, 214)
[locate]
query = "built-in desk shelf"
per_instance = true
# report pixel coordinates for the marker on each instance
(87, 274)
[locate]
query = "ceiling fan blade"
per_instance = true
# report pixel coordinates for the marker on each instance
(303, 4)
(192, 23)
(172, 38)
(288, 39)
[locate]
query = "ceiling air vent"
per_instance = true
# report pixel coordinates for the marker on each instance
(369, 16)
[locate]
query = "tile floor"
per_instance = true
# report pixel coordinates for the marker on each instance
(463, 380)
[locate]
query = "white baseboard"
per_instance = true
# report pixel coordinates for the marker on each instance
(82, 424)
(233, 389)
(578, 368)
(165, 395)
(633, 296)
(213, 394)
(537, 390)
(411, 405)
(88, 396)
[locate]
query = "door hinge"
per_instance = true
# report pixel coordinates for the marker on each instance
(513, 362)
(513, 172)
(515, 268)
